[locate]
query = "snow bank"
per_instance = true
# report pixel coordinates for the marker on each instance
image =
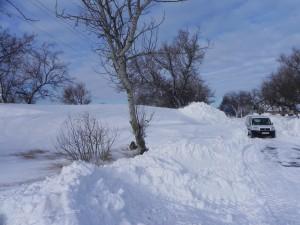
(190, 170)
(177, 186)
(195, 173)
(203, 113)
(189, 181)
(287, 126)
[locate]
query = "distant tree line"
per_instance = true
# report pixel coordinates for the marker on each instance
(280, 92)
(29, 72)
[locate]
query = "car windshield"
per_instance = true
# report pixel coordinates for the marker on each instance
(261, 121)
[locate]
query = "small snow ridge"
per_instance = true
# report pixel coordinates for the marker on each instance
(203, 112)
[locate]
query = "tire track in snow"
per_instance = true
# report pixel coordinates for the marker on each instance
(257, 184)
(278, 190)
(272, 185)
(232, 206)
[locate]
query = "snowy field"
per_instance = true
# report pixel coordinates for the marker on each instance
(201, 169)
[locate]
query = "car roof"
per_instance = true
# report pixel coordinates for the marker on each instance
(258, 116)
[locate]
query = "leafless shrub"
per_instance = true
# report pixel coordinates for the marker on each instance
(76, 94)
(85, 138)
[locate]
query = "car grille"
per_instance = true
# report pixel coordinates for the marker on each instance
(265, 129)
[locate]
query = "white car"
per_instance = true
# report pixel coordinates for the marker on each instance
(259, 126)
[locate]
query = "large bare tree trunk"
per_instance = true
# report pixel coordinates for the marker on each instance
(136, 124)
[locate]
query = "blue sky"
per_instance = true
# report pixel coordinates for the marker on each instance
(246, 36)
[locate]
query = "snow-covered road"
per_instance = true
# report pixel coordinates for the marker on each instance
(276, 183)
(201, 169)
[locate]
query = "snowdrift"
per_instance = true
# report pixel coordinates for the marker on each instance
(194, 174)
(203, 113)
(180, 184)
(180, 180)
(287, 126)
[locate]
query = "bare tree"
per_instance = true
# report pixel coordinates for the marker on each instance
(76, 95)
(170, 77)
(180, 61)
(28, 72)
(85, 138)
(122, 33)
(149, 85)
(281, 91)
(43, 74)
(237, 104)
(12, 54)
(282, 88)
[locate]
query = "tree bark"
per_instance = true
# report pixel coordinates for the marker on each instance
(135, 124)
(137, 127)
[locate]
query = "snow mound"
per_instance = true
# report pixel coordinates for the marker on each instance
(203, 112)
(287, 126)
(173, 187)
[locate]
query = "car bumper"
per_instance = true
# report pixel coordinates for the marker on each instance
(263, 133)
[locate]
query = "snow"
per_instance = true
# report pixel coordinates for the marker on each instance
(201, 169)
(201, 112)
(287, 126)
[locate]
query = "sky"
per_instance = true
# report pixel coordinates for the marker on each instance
(246, 38)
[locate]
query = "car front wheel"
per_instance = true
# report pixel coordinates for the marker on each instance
(273, 135)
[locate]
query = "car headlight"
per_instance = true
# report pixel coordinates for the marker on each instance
(272, 128)
(255, 128)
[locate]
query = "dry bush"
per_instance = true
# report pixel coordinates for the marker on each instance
(76, 94)
(85, 138)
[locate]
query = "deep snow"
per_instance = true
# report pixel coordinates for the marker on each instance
(201, 169)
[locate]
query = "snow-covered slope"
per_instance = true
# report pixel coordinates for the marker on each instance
(201, 169)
